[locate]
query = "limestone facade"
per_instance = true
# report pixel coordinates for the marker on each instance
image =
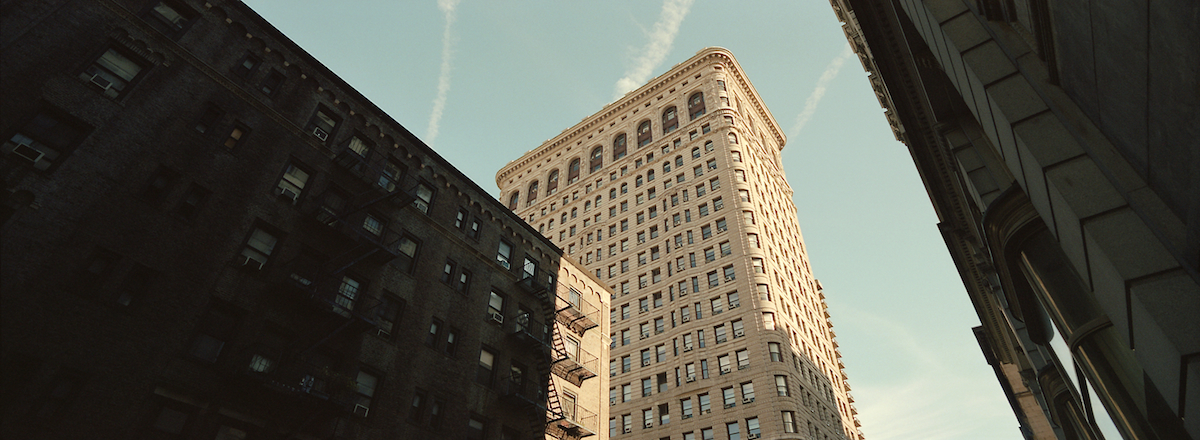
(674, 196)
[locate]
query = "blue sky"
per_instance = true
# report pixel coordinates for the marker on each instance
(484, 81)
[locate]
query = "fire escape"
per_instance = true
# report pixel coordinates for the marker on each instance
(329, 304)
(567, 316)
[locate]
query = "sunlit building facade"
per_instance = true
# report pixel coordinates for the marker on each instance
(1058, 143)
(674, 196)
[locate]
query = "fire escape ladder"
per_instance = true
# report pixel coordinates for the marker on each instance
(554, 411)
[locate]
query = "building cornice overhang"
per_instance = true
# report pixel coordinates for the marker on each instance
(706, 56)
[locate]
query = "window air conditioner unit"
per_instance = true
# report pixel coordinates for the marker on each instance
(101, 82)
(739, 333)
(705, 411)
(503, 263)
(27, 152)
(753, 436)
(628, 430)
(691, 378)
(251, 263)
(649, 425)
(734, 305)
(320, 134)
(687, 347)
(496, 317)
(360, 410)
(686, 318)
(747, 400)
(730, 405)
(726, 370)
(686, 416)
(728, 279)
(644, 336)
(645, 363)
(287, 193)
(743, 367)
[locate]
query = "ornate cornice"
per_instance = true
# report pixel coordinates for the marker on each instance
(706, 56)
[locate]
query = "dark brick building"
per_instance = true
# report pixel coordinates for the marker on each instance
(207, 234)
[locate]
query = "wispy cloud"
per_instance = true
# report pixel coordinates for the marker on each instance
(810, 105)
(661, 39)
(910, 402)
(448, 8)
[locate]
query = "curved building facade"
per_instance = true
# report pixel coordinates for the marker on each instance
(674, 195)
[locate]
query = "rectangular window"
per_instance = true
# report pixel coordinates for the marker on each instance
(448, 271)
(781, 386)
(114, 72)
(483, 374)
(504, 254)
(789, 421)
(475, 427)
(291, 185)
(752, 428)
(169, 18)
(258, 249)
(347, 293)
(246, 66)
(734, 431)
(365, 386)
(236, 135)
(496, 306)
(44, 140)
(728, 396)
(216, 328)
(387, 314)
(433, 336)
(424, 198)
(271, 84)
(322, 124)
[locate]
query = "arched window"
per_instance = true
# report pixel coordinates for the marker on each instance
(624, 187)
(667, 166)
(644, 134)
(669, 120)
(597, 159)
(573, 172)
(650, 176)
(619, 146)
(678, 161)
(637, 182)
(513, 199)
(732, 137)
(532, 197)
(696, 105)
(695, 152)
(552, 183)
